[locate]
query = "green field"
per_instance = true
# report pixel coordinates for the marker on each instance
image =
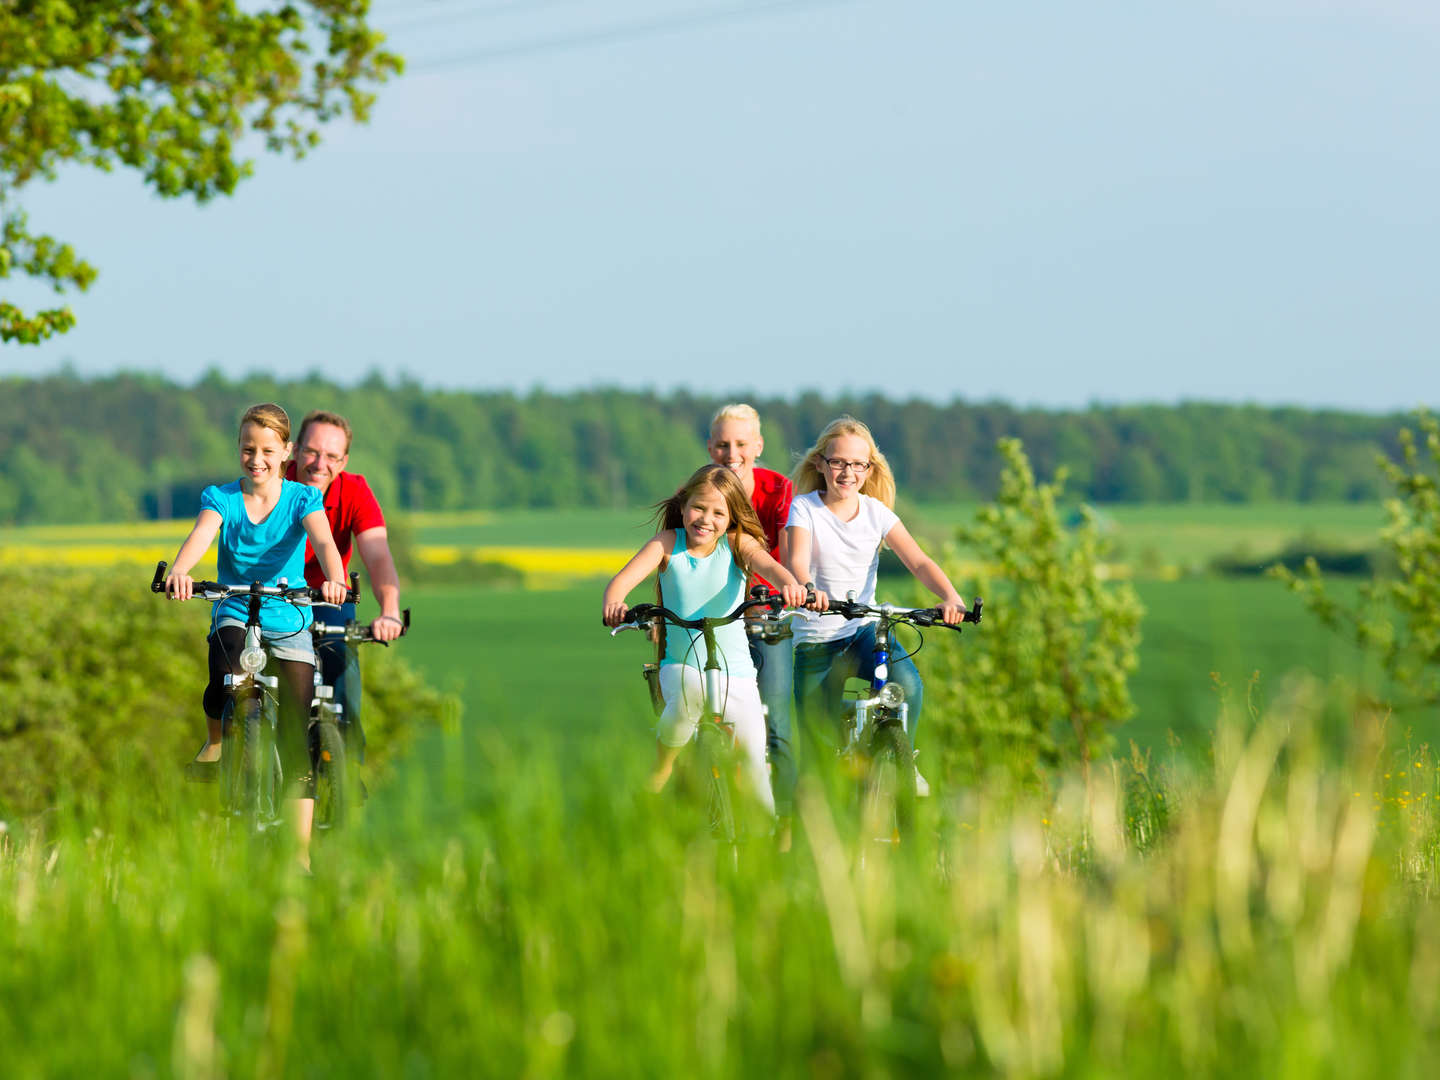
(512, 903)
(1181, 534)
(496, 647)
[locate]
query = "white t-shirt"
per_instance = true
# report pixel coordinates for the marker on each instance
(844, 556)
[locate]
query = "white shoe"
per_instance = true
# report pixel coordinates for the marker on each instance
(922, 787)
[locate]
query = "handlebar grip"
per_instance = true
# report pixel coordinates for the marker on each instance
(157, 584)
(354, 596)
(405, 618)
(973, 615)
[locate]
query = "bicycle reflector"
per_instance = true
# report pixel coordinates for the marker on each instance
(252, 660)
(892, 694)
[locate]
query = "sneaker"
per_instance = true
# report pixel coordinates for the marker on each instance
(922, 786)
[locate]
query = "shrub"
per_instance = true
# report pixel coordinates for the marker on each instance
(100, 677)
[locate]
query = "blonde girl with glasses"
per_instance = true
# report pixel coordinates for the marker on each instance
(841, 515)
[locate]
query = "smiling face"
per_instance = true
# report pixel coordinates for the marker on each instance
(736, 444)
(262, 454)
(322, 455)
(851, 455)
(706, 517)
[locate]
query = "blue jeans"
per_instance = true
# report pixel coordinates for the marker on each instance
(775, 672)
(821, 668)
(339, 665)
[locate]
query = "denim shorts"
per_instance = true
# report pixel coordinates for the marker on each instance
(282, 645)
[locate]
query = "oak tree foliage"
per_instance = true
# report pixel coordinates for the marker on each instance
(171, 89)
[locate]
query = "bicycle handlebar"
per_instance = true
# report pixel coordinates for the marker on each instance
(354, 631)
(930, 616)
(642, 613)
(214, 591)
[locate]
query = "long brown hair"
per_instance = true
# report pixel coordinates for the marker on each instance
(669, 513)
(809, 475)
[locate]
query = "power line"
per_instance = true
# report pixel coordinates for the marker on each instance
(611, 35)
(417, 19)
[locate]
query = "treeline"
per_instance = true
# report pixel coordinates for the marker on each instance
(131, 446)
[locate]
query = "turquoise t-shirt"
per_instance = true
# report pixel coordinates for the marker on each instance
(263, 552)
(707, 587)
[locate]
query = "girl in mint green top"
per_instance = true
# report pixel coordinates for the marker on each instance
(709, 540)
(705, 587)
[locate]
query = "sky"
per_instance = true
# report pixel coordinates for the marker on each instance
(1052, 205)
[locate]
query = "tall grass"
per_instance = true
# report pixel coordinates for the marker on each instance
(511, 905)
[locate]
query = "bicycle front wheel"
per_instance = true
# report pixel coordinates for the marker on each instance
(332, 796)
(241, 725)
(887, 802)
(712, 749)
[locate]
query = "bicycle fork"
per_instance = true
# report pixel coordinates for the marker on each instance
(886, 699)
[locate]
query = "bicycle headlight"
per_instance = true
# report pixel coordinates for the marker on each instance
(252, 661)
(892, 694)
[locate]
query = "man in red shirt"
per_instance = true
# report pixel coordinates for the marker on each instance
(735, 441)
(322, 450)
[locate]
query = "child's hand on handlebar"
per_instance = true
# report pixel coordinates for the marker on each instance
(821, 601)
(952, 611)
(334, 592)
(179, 586)
(794, 595)
(614, 613)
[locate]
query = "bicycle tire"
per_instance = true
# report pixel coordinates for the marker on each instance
(887, 801)
(332, 790)
(712, 751)
(240, 726)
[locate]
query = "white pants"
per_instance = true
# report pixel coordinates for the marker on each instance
(683, 688)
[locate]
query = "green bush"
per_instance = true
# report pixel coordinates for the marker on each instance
(1396, 615)
(1044, 680)
(101, 679)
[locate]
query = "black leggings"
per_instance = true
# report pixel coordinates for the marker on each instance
(297, 688)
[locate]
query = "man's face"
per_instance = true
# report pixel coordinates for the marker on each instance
(321, 455)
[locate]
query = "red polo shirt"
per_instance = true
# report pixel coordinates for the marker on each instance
(771, 499)
(351, 509)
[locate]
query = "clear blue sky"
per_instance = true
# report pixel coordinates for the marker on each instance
(1045, 203)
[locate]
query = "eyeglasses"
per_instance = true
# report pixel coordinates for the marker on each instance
(839, 465)
(328, 458)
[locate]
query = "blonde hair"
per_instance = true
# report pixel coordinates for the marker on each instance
(321, 416)
(669, 513)
(268, 415)
(809, 475)
(736, 410)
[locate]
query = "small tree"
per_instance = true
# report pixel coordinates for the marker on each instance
(1045, 678)
(1396, 617)
(168, 88)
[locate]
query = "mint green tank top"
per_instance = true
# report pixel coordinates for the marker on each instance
(707, 588)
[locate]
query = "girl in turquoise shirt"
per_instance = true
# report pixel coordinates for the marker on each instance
(262, 522)
(709, 540)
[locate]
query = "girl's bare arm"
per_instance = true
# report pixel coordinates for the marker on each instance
(178, 583)
(927, 571)
(322, 541)
(641, 565)
(759, 561)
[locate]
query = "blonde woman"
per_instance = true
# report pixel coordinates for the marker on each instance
(841, 514)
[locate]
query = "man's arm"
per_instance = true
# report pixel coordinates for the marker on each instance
(374, 548)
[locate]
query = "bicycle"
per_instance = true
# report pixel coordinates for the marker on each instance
(336, 784)
(252, 778)
(714, 735)
(875, 737)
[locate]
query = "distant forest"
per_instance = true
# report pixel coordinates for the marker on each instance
(135, 446)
